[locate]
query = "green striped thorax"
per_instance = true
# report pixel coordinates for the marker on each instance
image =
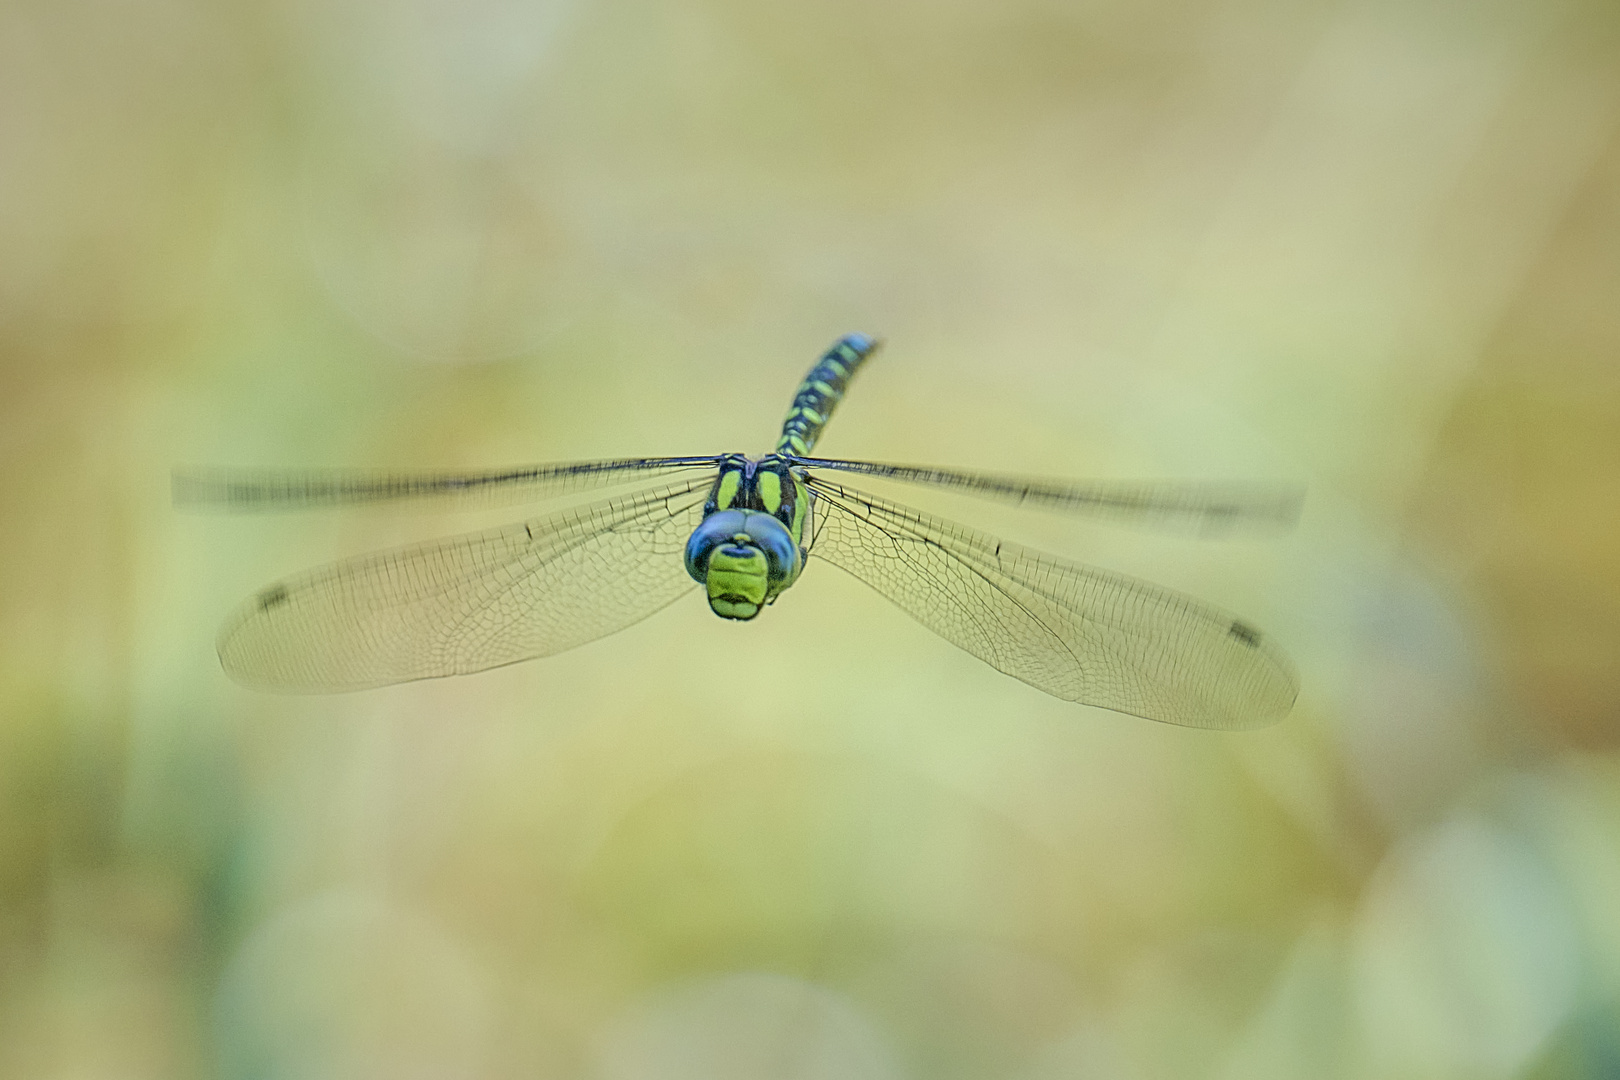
(750, 545)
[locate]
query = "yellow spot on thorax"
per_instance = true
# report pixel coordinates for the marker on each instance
(729, 482)
(801, 506)
(769, 486)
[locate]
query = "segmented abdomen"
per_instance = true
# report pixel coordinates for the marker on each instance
(821, 391)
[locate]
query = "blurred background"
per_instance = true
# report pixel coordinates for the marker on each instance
(1369, 247)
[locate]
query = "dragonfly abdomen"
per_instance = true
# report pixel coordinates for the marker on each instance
(821, 391)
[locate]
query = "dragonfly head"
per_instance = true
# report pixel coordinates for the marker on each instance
(744, 558)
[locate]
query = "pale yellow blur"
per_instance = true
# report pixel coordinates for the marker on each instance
(1368, 247)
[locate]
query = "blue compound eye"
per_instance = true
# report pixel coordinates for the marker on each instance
(715, 530)
(781, 553)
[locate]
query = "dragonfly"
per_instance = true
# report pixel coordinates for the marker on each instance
(744, 530)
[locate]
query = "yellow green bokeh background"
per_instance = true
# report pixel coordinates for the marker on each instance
(1368, 247)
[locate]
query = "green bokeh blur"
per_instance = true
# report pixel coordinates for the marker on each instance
(1365, 246)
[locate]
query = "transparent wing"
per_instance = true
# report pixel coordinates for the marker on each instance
(302, 489)
(470, 602)
(1077, 633)
(1212, 509)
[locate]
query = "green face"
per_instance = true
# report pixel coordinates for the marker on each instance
(738, 580)
(744, 558)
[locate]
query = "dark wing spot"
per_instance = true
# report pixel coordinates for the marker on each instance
(273, 597)
(1245, 633)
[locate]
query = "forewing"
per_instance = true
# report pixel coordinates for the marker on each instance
(467, 603)
(303, 489)
(1203, 509)
(1076, 632)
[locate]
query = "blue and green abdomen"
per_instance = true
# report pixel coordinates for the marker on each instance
(821, 391)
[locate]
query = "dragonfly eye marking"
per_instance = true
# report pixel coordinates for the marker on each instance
(273, 597)
(716, 529)
(1245, 633)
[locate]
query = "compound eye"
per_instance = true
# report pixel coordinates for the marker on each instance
(781, 553)
(715, 530)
